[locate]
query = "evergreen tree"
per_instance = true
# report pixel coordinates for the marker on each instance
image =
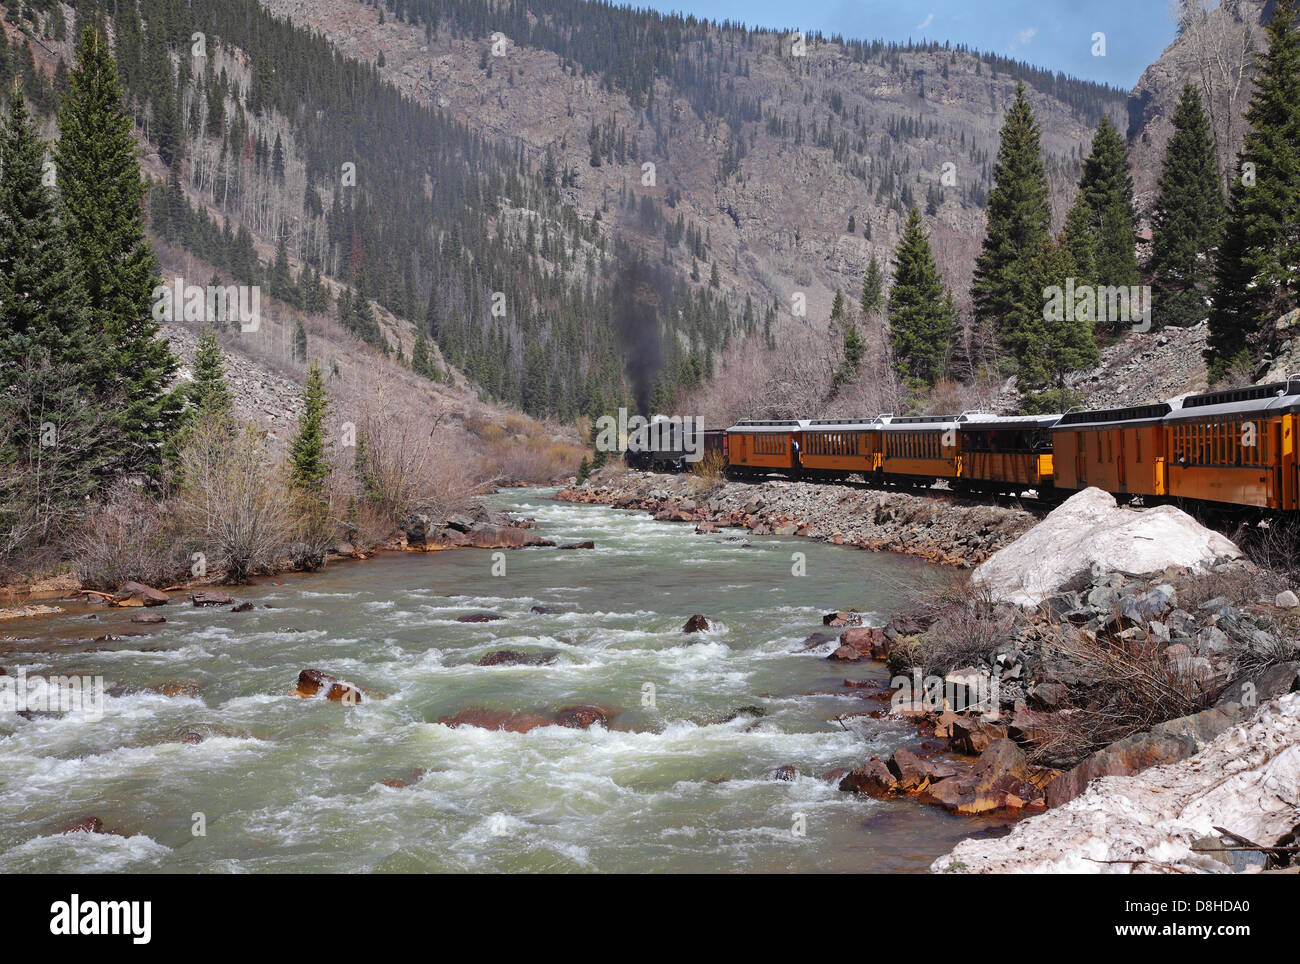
(873, 288)
(1078, 236)
(1058, 337)
(1106, 191)
(42, 297)
(420, 361)
(1257, 272)
(1188, 218)
(309, 465)
(209, 392)
(101, 191)
(922, 316)
(299, 342)
(1019, 219)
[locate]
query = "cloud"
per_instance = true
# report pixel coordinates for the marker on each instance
(1024, 37)
(929, 19)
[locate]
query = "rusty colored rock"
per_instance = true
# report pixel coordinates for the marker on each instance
(873, 779)
(138, 594)
(211, 597)
(696, 624)
(582, 717)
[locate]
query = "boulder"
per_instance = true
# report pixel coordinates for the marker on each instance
(312, 681)
(479, 618)
(508, 721)
(1089, 533)
(512, 657)
(910, 770)
(485, 536)
(417, 528)
(138, 594)
(543, 610)
(149, 619)
(874, 780)
(586, 544)
(211, 597)
(696, 624)
(582, 717)
(787, 773)
(845, 654)
(841, 618)
(972, 735)
(1286, 599)
(869, 641)
(1164, 743)
(246, 607)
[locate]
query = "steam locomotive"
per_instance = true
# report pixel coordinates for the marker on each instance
(1238, 446)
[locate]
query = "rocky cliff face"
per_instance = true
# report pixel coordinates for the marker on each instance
(1216, 56)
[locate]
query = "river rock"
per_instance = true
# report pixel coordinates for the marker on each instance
(311, 681)
(869, 641)
(582, 717)
(505, 720)
(512, 657)
(479, 618)
(138, 594)
(486, 536)
(874, 779)
(246, 607)
(696, 624)
(149, 619)
(842, 618)
(1286, 599)
(787, 773)
(585, 544)
(211, 597)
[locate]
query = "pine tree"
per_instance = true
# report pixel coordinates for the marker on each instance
(1058, 337)
(420, 361)
(1106, 190)
(873, 288)
(1188, 218)
(1019, 219)
(42, 297)
(299, 342)
(309, 466)
(922, 317)
(1257, 271)
(50, 428)
(209, 392)
(101, 192)
(1078, 236)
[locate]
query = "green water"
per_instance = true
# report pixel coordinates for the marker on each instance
(285, 784)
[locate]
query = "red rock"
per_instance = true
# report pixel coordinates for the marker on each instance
(505, 537)
(505, 720)
(870, 641)
(310, 682)
(586, 544)
(138, 594)
(582, 717)
(211, 597)
(85, 825)
(845, 654)
(970, 734)
(696, 624)
(843, 617)
(911, 772)
(873, 779)
(149, 619)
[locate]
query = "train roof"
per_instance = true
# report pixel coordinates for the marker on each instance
(915, 423)
(842, 424)
(769, 425)
(1011, 423)
(1274, 397)
(1154, 412)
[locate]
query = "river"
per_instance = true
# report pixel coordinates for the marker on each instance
(276, 783)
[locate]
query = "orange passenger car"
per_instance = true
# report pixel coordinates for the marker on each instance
(757, 448)
(835, 448)
(1121, 450)
(1008, 455)
(1237, 446)
(921, 449)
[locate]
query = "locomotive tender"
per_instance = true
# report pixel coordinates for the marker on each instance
(1238, 446)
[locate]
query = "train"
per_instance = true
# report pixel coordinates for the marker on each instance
(1234, 447)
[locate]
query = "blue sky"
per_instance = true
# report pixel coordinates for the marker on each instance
(1048, 33)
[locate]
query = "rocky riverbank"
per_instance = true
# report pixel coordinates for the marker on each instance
(937, 526)
(1103, 675)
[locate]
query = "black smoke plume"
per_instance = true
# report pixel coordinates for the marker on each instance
(638, 298)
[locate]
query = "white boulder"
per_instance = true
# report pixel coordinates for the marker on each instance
(1246, 781)
(1090, 533)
